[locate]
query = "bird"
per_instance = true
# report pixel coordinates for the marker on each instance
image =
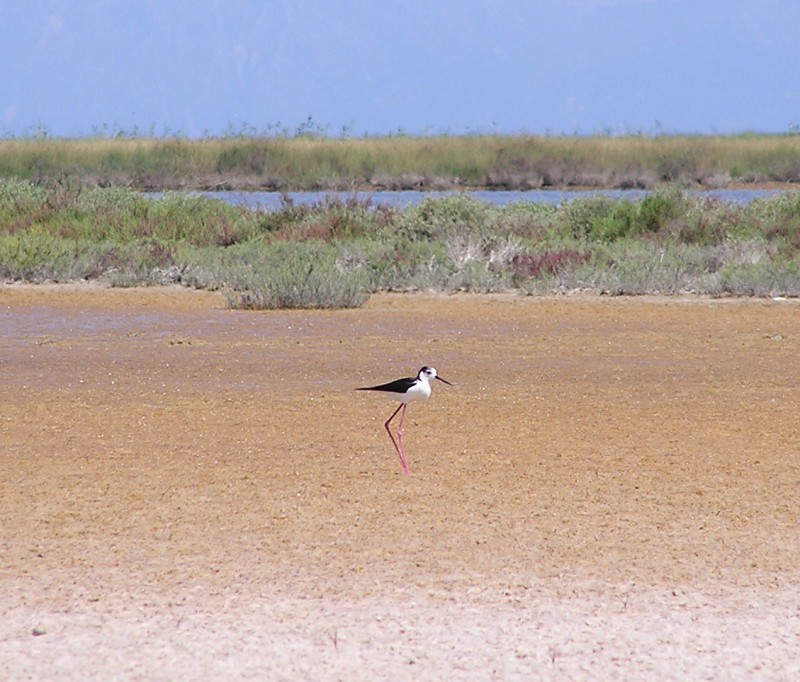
(406, 391)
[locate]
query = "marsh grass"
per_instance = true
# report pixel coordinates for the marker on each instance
(308, 161)
(335, 253)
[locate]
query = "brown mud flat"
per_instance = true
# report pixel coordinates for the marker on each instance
(187, 492)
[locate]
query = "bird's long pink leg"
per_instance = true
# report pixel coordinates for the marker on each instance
(400, 450)
(400, 438)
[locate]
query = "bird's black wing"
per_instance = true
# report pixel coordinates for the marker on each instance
(396, 386)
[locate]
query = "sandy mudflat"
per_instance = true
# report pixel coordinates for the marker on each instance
(611, 491)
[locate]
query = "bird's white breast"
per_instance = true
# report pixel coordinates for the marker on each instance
(419, 391)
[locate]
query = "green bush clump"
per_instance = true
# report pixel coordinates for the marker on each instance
(762, 278)
(604, 219)
(296, 275)
(20, 199)
(39, 257)
(329, 219)
(656, 211)
(442, 217)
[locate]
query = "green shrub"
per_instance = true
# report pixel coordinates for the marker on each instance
(19, 199)
(778, 219)
(198, 220)
(37, 257)
(529, 220)
(657, 210)
(437, 218)
(762, 278)
(581, 215)
(620, 222)
(292, 275)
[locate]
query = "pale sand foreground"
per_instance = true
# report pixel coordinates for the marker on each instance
(627, 633)
(609, 492)
(585, 634)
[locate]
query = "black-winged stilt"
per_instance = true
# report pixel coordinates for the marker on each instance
(406, 391)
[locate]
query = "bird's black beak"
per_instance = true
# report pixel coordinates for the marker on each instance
(444, 380)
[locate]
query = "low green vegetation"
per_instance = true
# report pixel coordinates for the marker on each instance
(336, 253)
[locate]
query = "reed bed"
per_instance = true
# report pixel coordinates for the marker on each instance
(336, 253)
(307, 162)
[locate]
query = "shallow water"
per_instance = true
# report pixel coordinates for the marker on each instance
(269, 201)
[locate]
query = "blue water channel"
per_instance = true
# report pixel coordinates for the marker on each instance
(271, 201)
